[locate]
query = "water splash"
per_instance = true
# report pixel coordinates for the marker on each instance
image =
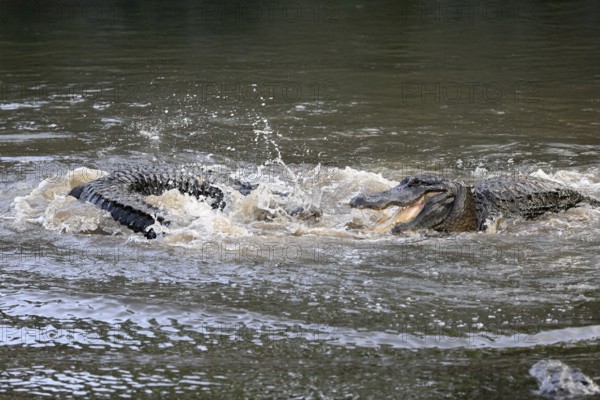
(267, 211)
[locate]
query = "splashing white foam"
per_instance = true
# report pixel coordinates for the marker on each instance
(265, 212)
(48, 205)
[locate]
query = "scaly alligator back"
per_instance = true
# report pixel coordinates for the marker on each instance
(122, 193)
(522, 196)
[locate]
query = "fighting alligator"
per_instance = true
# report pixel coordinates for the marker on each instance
(424, 202)
(448, 205)
(123, 192)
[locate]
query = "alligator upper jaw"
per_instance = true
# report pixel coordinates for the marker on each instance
(404, 199)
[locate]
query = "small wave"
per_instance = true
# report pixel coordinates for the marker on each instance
(21, 137)
(146, 320)
(17, 106)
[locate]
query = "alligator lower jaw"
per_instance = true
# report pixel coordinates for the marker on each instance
(402, 214)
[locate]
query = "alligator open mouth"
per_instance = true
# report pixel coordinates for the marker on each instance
(403, 214)
(449, 205)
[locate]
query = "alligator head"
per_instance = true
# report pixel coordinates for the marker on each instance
(424, 202)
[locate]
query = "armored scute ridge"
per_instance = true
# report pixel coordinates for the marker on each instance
(122, 193)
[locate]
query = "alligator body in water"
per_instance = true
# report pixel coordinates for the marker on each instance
(123, 192)
(448, 205)
(425, 202)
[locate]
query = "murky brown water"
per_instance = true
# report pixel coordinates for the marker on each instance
(347, 97)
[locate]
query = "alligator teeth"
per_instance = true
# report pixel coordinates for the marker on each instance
(402, 214)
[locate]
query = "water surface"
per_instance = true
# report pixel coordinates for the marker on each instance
(322, 101)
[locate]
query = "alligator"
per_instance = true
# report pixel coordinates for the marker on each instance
(449, 205)
(123, 192)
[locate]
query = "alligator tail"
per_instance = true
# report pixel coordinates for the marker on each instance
(122, 194)
(137, 218)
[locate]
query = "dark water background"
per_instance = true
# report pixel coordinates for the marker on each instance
(384, 87)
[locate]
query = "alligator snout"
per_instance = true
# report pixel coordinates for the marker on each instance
(374, 201)
(359, 201)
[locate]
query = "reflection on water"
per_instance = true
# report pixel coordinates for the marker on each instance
(318, 101)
